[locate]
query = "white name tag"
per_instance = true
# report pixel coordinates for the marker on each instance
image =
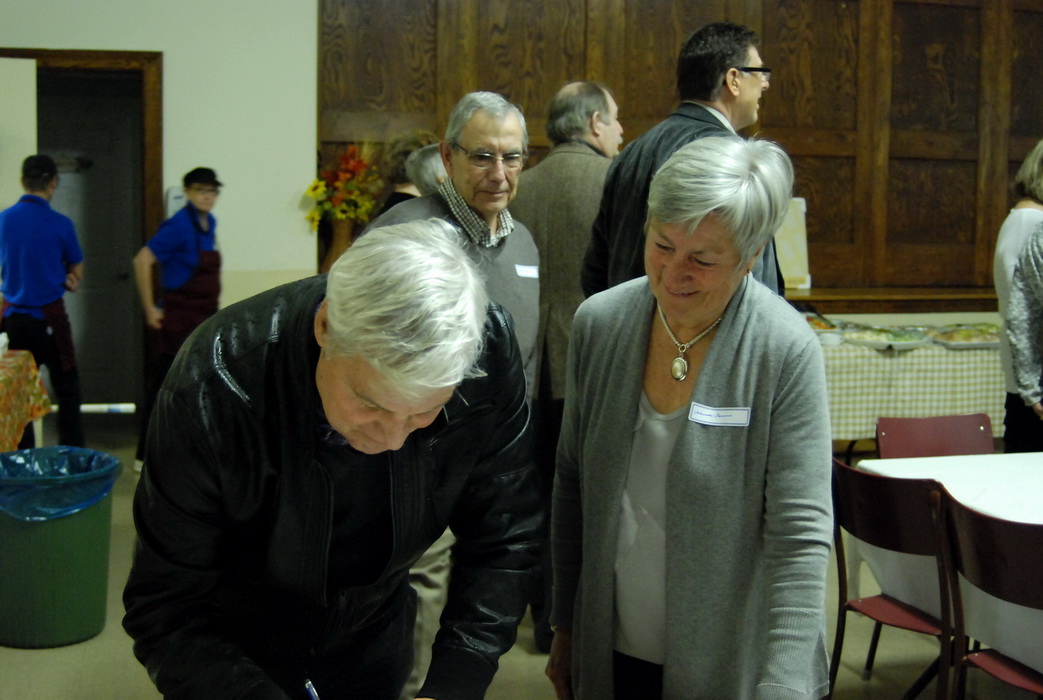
(531, 271)
(708, 415)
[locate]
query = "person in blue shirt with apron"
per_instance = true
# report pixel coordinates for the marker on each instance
(41, 259)
(185, 247)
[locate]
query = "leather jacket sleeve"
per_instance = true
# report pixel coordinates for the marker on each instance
(177, 561)
(498, 522)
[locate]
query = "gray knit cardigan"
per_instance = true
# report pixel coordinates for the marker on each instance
(749, 518)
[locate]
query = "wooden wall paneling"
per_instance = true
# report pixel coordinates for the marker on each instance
(1026, 117)
(936, 58)
(874, 138)
(457, 55)
(529, 49)
(605, 43)
(811, 109)
(377, 68)
(997, 57)
(747, 12)
(828, 185)
(931, 230)
(812, 45)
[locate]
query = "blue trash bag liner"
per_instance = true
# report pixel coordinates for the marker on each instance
(46, 483)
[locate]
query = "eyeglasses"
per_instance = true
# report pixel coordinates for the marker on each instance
(765, 73)
(483, 160)
(203, 189)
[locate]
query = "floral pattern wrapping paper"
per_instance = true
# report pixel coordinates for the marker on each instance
(23, 398)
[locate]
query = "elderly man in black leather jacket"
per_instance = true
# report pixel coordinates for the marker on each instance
(308, 445)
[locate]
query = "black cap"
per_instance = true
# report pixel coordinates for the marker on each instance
(201, 176)
(39, 167)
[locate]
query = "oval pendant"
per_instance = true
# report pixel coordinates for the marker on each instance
(679, 369)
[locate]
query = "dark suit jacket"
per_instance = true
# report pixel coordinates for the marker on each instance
(558, 200)
(616, 250)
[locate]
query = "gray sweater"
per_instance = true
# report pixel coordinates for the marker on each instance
(504, 267)
(749, 518)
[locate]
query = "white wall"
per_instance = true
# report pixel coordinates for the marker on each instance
(239, 95)
(17, 124)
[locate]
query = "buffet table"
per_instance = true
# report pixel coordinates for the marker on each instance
(1008, 486)
(930, 380)
(22, 397)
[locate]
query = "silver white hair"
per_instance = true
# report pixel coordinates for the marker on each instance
(408, 300)
(424, 168)
(492, 103)
(747, 185)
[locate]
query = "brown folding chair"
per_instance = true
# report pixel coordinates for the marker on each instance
(897, 515)
(937, 436)
(1003, 559)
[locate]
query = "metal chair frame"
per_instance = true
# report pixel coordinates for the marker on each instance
(897, 515)
(1002, 558)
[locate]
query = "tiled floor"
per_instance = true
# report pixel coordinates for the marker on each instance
(104, 668)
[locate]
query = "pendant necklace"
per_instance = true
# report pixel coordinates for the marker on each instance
(679, 367)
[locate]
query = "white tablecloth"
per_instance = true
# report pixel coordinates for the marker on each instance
(1008, 486)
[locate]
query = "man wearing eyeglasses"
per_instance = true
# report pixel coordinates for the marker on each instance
(720, 78)
(485, 147)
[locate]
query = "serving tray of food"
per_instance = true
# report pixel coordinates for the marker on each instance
(972, 336)
(885, 338)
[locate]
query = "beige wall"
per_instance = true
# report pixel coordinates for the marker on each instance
(17, 124)
(239, 95)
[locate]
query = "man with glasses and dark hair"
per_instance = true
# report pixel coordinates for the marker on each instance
(485, 147)
(720, 80)
(185, 248)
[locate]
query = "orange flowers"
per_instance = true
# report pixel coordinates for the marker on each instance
(348, 192)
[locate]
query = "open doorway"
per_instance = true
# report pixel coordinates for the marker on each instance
(99, 114)
(90, 123)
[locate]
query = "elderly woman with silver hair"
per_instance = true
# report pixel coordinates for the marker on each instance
(691, 510)
(425, 169)
(308, 445)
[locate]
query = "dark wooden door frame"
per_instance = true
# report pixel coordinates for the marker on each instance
(149, 64)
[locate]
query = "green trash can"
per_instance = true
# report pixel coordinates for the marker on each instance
(55, 524)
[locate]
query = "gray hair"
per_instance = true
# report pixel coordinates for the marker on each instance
(495, 105)
(570, 110)
(425, 169)
(746, 184)
(408, 300)
(1029, 180)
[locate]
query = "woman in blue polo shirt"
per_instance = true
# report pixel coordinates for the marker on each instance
(185, 247)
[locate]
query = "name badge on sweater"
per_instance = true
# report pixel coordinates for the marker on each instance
(531, 271)
(708, 415)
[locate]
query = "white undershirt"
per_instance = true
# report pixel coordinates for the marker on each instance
(640, 602)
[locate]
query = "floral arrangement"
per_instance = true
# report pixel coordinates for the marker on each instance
(349, 191)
